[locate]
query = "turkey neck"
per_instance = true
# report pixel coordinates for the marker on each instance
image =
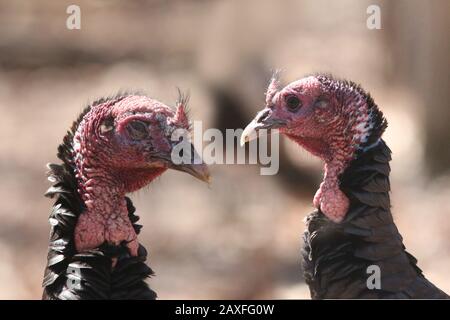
(105, 218)
(336, 252)
(365, 181)
(101, 193)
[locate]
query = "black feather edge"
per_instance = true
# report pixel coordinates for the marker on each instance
(96, 279)
(336, 255)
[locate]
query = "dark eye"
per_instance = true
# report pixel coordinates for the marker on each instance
(138, 130)
(293, 103)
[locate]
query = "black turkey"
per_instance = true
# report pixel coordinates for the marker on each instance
(352, 230)
(118, 145)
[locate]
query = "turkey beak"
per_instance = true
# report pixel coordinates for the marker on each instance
(263, 120)
(199, 171)
(196, 167)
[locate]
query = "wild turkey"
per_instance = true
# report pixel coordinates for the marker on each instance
(352, 227)
(116, 146)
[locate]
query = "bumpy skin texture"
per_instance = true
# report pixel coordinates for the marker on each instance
(336, 255)
(106, 272)
(110, 164)
(116, 146)
(333, 121)
(352, 226)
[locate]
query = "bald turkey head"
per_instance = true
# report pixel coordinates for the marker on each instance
(332, 119)
(120, 145)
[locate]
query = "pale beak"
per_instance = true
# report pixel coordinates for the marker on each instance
(250, 132)
(263, 120)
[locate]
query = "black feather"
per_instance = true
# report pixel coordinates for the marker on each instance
(336, 255)
(87, 275)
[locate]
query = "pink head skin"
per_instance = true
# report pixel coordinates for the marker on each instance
(331, 119)
(120, 146)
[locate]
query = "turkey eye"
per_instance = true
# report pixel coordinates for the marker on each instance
(138, 130)
(293, 103)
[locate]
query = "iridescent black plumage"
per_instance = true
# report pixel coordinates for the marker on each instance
(87, 275)
(336, 255)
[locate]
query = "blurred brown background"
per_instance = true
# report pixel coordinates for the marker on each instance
(241, 237)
